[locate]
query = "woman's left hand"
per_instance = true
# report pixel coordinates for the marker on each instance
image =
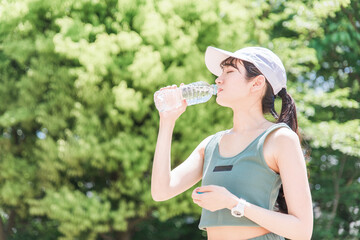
(214, 198)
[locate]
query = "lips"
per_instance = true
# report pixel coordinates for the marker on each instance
(219, 90)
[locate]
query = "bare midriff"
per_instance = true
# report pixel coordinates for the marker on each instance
(234, 232)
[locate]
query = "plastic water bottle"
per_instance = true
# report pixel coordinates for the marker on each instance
(193, 93)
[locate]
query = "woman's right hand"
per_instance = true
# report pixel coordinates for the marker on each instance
(173, 114)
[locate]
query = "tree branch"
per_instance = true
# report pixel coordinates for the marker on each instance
(357, 77)
(350, 17)
(336, 177)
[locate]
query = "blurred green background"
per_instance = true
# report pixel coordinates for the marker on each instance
(78, 125)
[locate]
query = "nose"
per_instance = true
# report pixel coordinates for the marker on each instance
(219, 80)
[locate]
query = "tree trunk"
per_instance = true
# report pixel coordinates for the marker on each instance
(131, 228)
(337, 179)
(10, 223)
(2, 230)
(124, 235)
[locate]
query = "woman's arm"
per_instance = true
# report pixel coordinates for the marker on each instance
(298, 223)
(165, 183)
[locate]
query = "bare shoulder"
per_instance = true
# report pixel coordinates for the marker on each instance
(282, 143)
(284, 137)
(207, 140)
(201, 147)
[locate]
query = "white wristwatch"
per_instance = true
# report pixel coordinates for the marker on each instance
(238, 210)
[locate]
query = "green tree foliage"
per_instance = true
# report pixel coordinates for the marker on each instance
(336, 151)
(79, 125)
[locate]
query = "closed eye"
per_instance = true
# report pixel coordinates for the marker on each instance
(229, 69)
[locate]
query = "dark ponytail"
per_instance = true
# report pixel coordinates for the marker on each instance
(288, 111)
(288, 108)
(287, 115)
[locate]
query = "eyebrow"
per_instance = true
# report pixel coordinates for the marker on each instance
(230, 61)
(228, 65)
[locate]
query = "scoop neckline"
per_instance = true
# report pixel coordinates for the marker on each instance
(247, 147)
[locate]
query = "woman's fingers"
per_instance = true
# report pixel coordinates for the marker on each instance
(203, 189)
(169, 87)
(194, 194)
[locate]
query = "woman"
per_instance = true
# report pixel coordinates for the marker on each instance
(248, 171)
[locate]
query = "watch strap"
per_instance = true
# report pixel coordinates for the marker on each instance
(239, 209)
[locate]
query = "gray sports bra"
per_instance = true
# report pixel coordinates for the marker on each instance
(246, 175)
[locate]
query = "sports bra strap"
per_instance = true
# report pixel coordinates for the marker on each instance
(271, 129)
(213, 141)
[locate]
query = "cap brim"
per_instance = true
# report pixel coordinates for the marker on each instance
(213, 58)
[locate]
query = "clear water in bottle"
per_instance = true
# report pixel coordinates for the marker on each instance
(198, 92)
(193, 93)
(168, 99)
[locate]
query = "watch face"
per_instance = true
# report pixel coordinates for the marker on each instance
(238, 213)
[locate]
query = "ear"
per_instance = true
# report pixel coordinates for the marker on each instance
(258, 83)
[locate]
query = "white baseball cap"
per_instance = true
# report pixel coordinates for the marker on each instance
(264, 59)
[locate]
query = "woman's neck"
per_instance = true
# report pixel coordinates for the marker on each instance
(248, 120)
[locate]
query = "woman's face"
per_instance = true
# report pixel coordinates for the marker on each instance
(233, 86)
